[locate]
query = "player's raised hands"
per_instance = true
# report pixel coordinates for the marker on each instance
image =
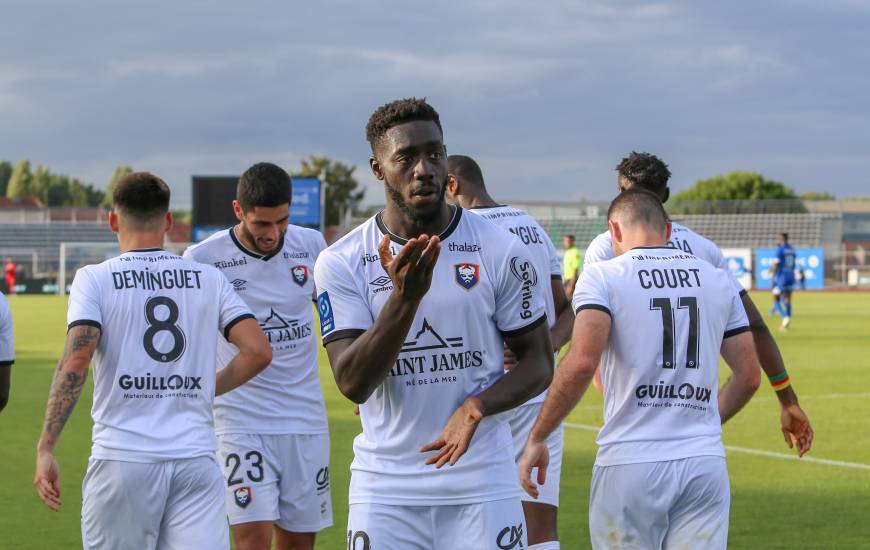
(535, 455)
(46, 480)
(796, 428)
(456, 435)
(411, 269)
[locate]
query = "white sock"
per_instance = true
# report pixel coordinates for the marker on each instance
(549, 545)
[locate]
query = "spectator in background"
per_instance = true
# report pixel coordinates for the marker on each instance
(801, 278)
(572, 264)
(11, 270)
(7, 350)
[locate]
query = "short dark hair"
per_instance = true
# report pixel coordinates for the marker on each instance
(645, 170)
(141, 196)
(398, 112)
(639, 205)
(784, 236)
(264, 184)
(465, 167)
(569, 236)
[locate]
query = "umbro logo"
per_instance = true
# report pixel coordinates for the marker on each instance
(510, 537)
(239, 284)
(381, 284)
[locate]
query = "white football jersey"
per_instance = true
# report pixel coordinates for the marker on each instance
(154, 368)
(670, 312)
(7, 341)
(483, 289)
(541, 249)
(285, 398)
(682, 238)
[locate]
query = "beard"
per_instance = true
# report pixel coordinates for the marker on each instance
(253, 240)
(418, 217)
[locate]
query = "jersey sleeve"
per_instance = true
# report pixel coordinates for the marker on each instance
(519, 299)
(599, 250)
(344, 312)
(555, 262)
(232, 308)
(591, 291)
(737, 320)
(84, 301)
(7, 343)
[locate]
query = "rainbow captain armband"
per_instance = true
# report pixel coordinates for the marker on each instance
(780, 381)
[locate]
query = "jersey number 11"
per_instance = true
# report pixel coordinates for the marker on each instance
(668, 328)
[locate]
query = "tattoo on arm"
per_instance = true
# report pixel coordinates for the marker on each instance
(68, 382)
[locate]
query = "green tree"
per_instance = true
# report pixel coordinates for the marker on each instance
(757, 193)
(5, 174)
(342, 194)
(40, 182)
(119, 173)
(58, 190)
(20, 181)
(818, 196)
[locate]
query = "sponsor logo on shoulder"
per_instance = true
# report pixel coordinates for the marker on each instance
(232, 262)
(243, 496)
(239, 284)
(525, 273)
(324, 308)
(463, 247)
(368, 258)
(300, 274)
(467, 275)
(381, 284)
(510, 537)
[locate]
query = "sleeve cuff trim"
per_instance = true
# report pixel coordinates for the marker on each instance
(85, 322)
(342, 334)
(234, 322)
(522, 330)
(597, 307)
(736, 331)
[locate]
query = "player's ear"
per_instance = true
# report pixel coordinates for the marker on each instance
(168, 222)
(615, 230)
(668, 228)
(237, 210)
(452, 185)
(113, 221)
(376, 167)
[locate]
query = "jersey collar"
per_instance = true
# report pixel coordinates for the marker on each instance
(454, 222)
(653, 248)
(264, 257)
(487, 207)
(146, 250)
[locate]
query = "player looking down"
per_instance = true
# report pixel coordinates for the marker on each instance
(415, 305)
(466, 188)
(151, 321)
(646, 171)
(273, 438)
(656, 319)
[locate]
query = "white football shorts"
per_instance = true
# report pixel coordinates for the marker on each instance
(674, 504)
(278, 478)
(169, 505)
(521, 420)
(493, 525)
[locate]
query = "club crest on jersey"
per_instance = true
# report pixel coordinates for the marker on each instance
(467, 275)
(300, 274)
(243, 496)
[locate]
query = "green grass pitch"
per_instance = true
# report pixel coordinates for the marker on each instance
(776, 502)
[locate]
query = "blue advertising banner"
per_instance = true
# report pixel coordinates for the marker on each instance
(305, 208)
(810, 260)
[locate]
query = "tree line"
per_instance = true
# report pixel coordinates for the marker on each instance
(21, 181)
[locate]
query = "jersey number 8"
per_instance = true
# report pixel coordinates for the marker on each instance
(156, 326)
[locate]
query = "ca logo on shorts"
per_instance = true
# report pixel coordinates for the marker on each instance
(300, 274)
(510, 537)
(467, 275)
(243, 496)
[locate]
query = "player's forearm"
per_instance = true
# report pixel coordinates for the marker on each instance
(244, 366)
(531, 376)
(768, 352)
(734, 395)
(570, 382)
(66, 387)
(364, 365)
(560, 333)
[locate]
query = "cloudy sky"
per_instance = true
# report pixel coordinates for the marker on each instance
(548, 96)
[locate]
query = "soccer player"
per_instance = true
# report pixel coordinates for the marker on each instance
(273, 438)
(466, 188)
(646, 171)
(572, 263)
(11, 271)
(150, 320)
(426, 364)
(7, 350)
(782, 271)
(656, 318)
